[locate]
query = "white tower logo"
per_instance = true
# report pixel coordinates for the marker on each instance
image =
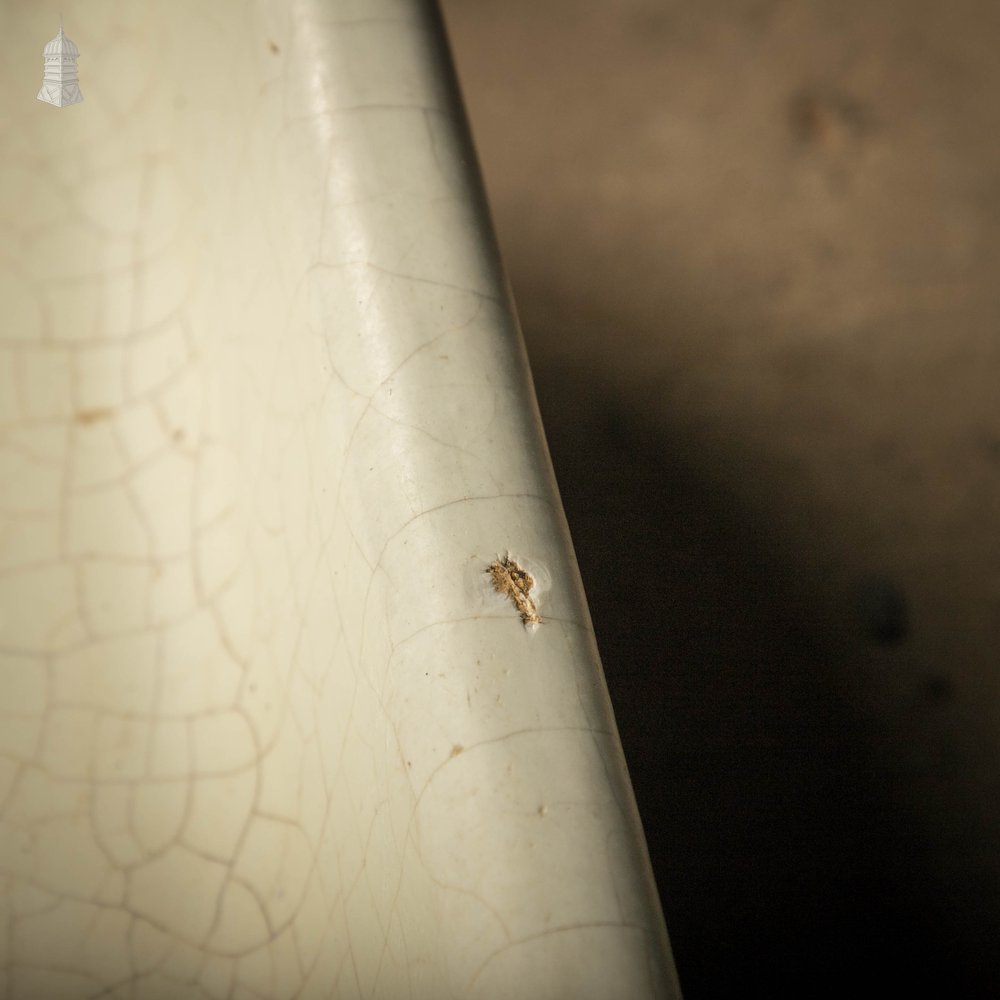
(60, 86)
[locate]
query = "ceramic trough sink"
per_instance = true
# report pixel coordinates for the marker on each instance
(299, 695)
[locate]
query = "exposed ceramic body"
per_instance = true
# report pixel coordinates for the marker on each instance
(265, 728)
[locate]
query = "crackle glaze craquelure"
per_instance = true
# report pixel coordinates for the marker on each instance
(265, 421)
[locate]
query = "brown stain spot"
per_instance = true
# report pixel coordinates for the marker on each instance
(516, 583)
(989, 443)
(938, 688)
(177, 436)
(93, 416)
(273, 46)
(456, 750)
(828, 119)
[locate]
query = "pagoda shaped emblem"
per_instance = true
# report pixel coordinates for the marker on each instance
(61, 85)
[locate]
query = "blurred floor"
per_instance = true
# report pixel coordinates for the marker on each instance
(756, 250)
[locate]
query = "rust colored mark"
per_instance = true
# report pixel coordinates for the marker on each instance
(273, 46)
(516, 583)
(828, 119)
(93, 416)
(456, 750)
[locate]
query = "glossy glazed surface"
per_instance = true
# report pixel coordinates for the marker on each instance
(267, 730)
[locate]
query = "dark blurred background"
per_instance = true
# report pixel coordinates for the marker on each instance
(755, 246)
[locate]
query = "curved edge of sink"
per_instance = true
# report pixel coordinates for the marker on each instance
(269, 725)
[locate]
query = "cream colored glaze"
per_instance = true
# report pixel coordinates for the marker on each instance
(265, 420)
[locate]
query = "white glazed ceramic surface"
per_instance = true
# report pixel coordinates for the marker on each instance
(265, 420)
